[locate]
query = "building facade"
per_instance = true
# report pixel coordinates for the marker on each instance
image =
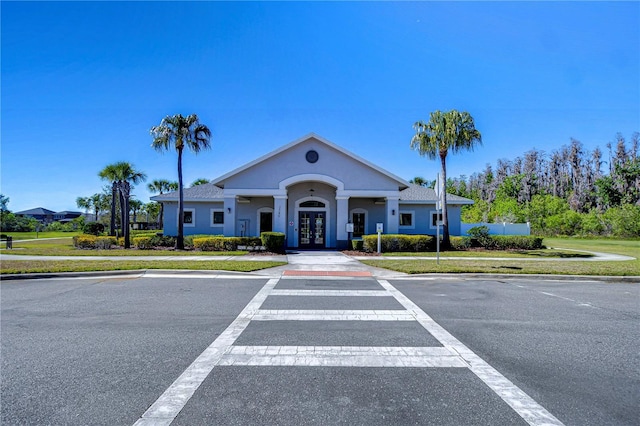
(315, 192)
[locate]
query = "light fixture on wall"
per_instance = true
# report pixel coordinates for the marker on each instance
(229, 210)
(393, 212)
(311, 191)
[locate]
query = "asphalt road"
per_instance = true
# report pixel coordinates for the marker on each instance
(102, 351)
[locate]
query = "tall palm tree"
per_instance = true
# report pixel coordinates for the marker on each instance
(179, 131)
(446, 131)
(84, 203)
(122, 175)
(160, 186)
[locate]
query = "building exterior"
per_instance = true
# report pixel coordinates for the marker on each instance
(310, 190)
(45, 216)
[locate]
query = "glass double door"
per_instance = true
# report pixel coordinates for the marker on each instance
(311, 230)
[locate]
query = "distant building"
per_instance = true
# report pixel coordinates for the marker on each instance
(43, 215)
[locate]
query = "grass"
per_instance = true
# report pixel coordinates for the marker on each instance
(497, 253)
(611, 268)
(39, 235)
(64, 247)
(44, 266)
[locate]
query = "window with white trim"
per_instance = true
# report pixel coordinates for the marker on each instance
(189, 217)
(407, 219)
(435, 217)
(217, 217)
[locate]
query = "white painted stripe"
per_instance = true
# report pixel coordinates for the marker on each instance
(359, 293)
(205, 276)
(324, 278)
(329, 315)
(527, 408)
(169, 404)
(342, 356)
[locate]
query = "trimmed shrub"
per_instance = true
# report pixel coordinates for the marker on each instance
(460, 243)
(516, 242)
(357, 245)
(219, 243)
(162, 241)
(143, 243)
(479, 236)
(273, 241)
(398, 242)
(85, 241)
(93, 228)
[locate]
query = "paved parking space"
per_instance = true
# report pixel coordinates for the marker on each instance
(318, 350)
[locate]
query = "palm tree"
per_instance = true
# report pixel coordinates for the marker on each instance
(160, 186)
(179, 131)
(199, 181)
(134, 207)
(84, 203)
(121, 174)
(446, 131)
(419, 180)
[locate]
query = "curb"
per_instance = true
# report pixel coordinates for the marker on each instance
(133, 272)
(544, 277)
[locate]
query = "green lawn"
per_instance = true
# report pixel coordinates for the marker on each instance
(44, 266)
(34, 235)
(613, 268)
(64, 247)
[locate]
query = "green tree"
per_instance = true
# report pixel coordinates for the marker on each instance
(200, 181)
(84, 203)
(134, 207)
(178, 131)
(160, 186)
(4, 201)
(450, 131)
(121, 175)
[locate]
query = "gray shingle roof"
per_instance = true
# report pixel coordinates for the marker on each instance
(36, 211)
(421, 194)
(205, 192)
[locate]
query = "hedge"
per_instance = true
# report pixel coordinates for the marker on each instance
(460, 243)
(85, 241)
(143, 243)
(218, 243)
(516, 242)
(273, 241)
(398, 242)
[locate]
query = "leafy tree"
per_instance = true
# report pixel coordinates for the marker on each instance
(160, 186)
(177, 132)
(446, 131)
(134, 207)
(4, 201)
(121, 174)
(199, 181)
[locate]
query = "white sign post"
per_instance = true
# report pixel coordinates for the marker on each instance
(379, 229)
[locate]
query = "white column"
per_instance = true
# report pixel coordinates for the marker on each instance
(230, 216)
(393, 213)
(342, 218)
(280, 213)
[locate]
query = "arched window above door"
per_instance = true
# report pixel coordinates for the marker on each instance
(312, 203)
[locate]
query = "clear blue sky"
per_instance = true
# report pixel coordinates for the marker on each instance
(83, 82)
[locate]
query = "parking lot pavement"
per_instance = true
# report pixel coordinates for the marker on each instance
(317, 350)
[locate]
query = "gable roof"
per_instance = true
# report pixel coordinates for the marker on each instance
(420, 194)
(204, 192)
(36, 211)
(221, 180)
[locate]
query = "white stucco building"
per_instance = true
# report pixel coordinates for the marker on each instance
(309, 189)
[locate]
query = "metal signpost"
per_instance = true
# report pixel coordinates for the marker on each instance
(440, 196)
(379, 229)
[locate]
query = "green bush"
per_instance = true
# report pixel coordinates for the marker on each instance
(398, 242)
(273, 241)
(143, 243)
(357, 245)
(162, 241)
(479, 237)
(516, 242)
(85, 241)
(460, 243)
(219, 243)
(93, 228)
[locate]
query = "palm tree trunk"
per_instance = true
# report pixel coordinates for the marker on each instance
(445, 217)
(180, 239)
(112, 227)
(161, 218)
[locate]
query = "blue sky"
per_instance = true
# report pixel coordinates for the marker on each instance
(83, 82)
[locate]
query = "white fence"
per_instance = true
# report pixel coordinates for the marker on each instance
(499, 228)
